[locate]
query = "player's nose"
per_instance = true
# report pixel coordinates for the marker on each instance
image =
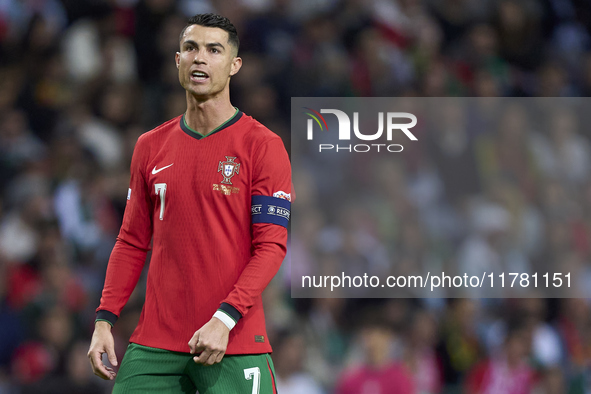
(199, 57)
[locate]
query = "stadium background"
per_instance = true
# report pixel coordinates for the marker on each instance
(81, 80)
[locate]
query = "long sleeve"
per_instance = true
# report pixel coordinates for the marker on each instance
(271, 198)
(129, 254)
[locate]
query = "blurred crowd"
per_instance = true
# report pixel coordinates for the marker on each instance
(492, 185)
(80, 80)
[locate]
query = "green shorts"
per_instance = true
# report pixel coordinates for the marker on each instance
(150, 370)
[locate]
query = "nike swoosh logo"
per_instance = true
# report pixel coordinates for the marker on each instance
(155, 171)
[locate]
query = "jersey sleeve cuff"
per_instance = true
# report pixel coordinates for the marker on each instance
(107, 316)
(228, 315)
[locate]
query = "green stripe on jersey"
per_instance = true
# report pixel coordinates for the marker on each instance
(212, 131)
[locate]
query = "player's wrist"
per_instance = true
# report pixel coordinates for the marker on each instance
(228, 314)
(225, 319)
(102, 325)
(107, 317)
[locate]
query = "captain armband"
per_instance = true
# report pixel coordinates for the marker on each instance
(266, 209)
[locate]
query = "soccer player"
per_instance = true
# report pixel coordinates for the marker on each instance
(212, 188)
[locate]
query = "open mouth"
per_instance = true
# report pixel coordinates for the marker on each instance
(199, 76)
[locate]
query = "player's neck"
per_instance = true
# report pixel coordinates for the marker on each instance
(205, 116)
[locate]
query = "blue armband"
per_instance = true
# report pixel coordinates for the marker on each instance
(273, 210)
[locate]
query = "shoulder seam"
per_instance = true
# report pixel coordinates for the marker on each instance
(165, 124)
(143, 136)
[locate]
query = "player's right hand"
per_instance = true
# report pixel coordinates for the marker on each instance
(102, 342)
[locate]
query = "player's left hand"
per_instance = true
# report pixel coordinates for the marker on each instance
(211, 340)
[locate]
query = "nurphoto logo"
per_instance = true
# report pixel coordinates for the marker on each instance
(393, 125)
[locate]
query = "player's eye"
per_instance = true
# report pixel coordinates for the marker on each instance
(215, 50)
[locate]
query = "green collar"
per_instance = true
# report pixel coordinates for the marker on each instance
(195, 134)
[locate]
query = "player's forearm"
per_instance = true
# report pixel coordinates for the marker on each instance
(123, 272)
(263, 266)
(269, 252)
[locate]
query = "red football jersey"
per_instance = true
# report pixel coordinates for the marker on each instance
(217, 207)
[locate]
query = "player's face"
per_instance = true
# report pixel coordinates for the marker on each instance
(206, 61)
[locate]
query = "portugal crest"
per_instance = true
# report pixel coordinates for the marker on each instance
(229, 168)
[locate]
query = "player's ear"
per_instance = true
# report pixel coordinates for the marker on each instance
(177, 59)
(236, 64)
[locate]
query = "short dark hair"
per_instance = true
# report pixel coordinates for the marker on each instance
(214, 20)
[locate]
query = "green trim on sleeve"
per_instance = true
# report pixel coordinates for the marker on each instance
(111, 324)
(227, 314)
